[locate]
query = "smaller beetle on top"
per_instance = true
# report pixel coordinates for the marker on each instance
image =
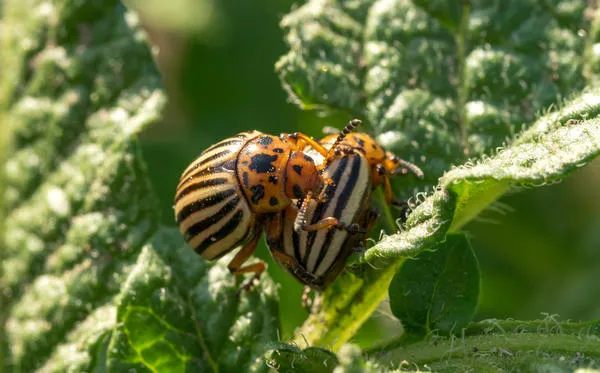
(313, 242)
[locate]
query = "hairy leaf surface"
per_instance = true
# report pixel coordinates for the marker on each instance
(484, 96)
(438, 81)
(90, 281)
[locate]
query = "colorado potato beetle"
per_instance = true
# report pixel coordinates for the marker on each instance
(315, 253)
(225, 195)
(313, 242)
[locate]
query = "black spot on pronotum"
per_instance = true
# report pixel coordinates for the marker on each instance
(297, 191)
(278, 150)
(273, 179)
(265, 140)
(245, 179)
(359, 141)
(307, 158)
(374, 146)
(297, 169)
(261, 163)
(258, 193)
(273, 201)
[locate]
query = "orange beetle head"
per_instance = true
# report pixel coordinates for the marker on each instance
(301, 176)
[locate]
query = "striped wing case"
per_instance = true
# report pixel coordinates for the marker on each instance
(212, 213)
(315, 258)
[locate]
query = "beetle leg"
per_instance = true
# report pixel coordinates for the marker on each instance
(331, 223)
(274, 229)
(304, 140)
(372, 217)
(389, 192)
(352, 228)
(360, 248)
(326, 223)
(291, 264)
(236, 265)
(390, 199)
(286, 260)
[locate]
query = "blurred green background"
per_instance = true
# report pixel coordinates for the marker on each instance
(538, 249)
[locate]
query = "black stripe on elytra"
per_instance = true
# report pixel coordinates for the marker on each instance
(209, 221)
(345, 195)
(322, 207)
(349, 187)
(296, 244)
(225, 230)
(224, 143)
(359, 141)
(204, 161)
(200, 204)
(199, 185)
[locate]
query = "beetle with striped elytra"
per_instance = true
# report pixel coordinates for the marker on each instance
(225, 196)
(315, 253)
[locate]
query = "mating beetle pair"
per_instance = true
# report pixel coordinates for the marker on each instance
(313, 213)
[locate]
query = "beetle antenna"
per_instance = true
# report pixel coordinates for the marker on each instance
(350, 126)
(411, 167)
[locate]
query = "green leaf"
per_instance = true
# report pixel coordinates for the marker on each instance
(287, 358)
(438, 81)
(444, 84)
(3, 300)
(90, 281)
(555, 146)
(504, 345)
(78, 203)
(176, 313)
(439, 289)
